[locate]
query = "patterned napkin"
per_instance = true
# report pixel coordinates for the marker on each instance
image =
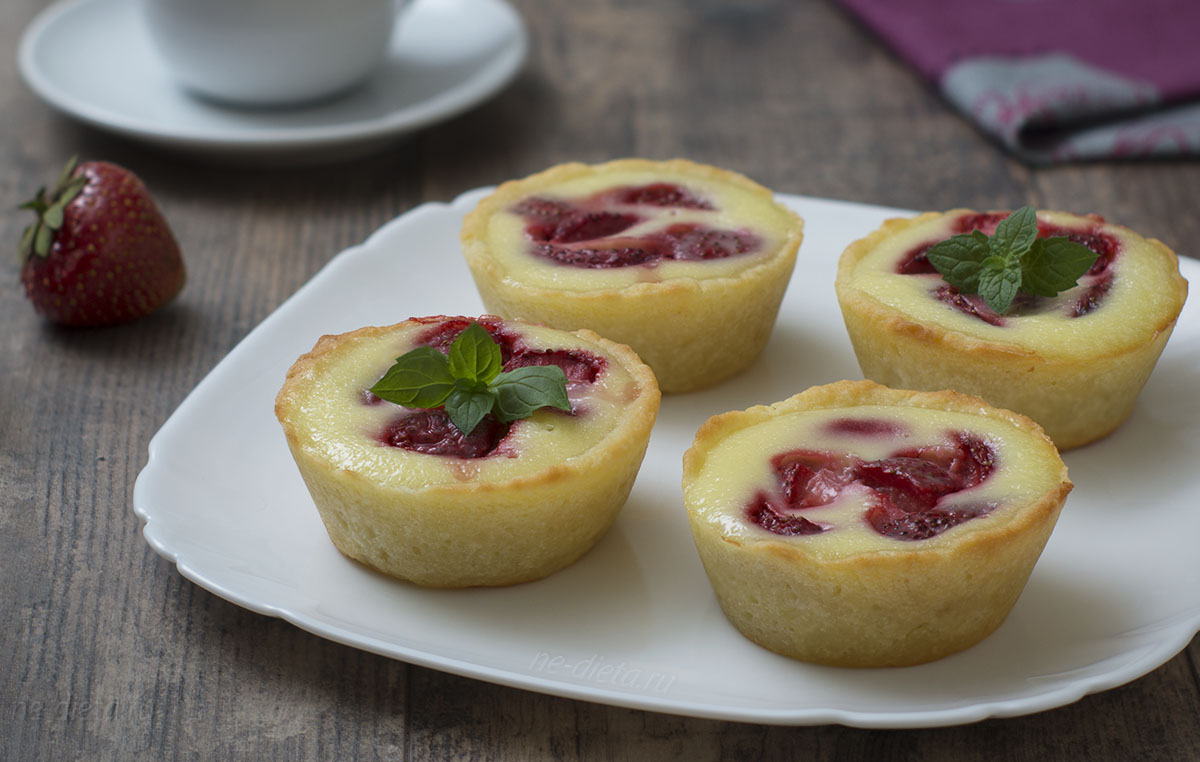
(1058, 80)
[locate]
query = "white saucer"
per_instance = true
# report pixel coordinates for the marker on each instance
(93, 60)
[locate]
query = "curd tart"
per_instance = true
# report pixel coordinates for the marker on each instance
(406, 492)
(685, 263)
(1074, 362)
(857, 525)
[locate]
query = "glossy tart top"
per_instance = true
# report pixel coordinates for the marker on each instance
(580, 227)
(326, 406)
(1132, 292)
(856, 468)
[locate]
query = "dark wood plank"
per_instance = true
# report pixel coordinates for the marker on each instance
(111, 654)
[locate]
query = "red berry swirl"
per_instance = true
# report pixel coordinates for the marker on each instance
(588, 232)
(431, 431)
(906, 488)
(1096, 282)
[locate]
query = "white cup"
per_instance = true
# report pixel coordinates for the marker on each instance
(270, 52)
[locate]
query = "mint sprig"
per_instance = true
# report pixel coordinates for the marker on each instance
(469, 382)
(1011, 260)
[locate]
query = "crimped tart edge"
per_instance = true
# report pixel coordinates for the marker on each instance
(637, 418)
(858, 393)
(473, 234)
(896, 321)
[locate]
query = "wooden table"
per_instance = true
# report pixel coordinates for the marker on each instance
(108, 653)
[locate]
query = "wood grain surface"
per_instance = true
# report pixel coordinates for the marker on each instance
(107, 653)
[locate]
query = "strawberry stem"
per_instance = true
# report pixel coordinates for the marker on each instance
(50, 210)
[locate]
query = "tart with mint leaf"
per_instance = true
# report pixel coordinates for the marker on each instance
(860, 526)
(455, 452)
(685, 263)
(1058, 316)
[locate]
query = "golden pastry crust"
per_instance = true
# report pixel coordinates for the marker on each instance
(1079, 383)
(693, 329)
(916, 603)
(466, 529)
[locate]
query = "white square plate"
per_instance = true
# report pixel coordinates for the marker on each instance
(634, 623)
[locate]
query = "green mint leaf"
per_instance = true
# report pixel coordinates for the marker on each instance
(475, 356)
(468, 381)
(959, 259)
(420, 378)
(469, 385)
(1053, 265)
(999, 281)
(467, 408)
(1015, 233)
(520, 392)
(1013, 259)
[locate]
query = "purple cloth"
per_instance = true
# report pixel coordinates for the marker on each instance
(1058, 80)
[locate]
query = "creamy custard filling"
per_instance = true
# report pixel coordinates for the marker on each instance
(354, 425)
(744, 470)
(633, 214)
(1124, 281)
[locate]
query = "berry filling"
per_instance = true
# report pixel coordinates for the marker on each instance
(600, 258)
(697, 242)
(761, 512)
(579, 366)
(542, 216)
(896, 523)
(588, 226)
(984, 222)
(865, 427)
(969, 304)
(432, 432)
(587, 232)
(916, 263)
(661, 195)
(1091, 298)
(1105, 246)
(808, 479)
(905, 487)
(443, 331)
(680, 242)
(1098, 279)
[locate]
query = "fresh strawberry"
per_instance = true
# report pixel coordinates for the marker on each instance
(100, 251)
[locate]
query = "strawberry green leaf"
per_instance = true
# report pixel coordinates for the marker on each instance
(37, 203)
(65, 176)
(43, 239)
(53, 217)
(73, 189)
(26, 246)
